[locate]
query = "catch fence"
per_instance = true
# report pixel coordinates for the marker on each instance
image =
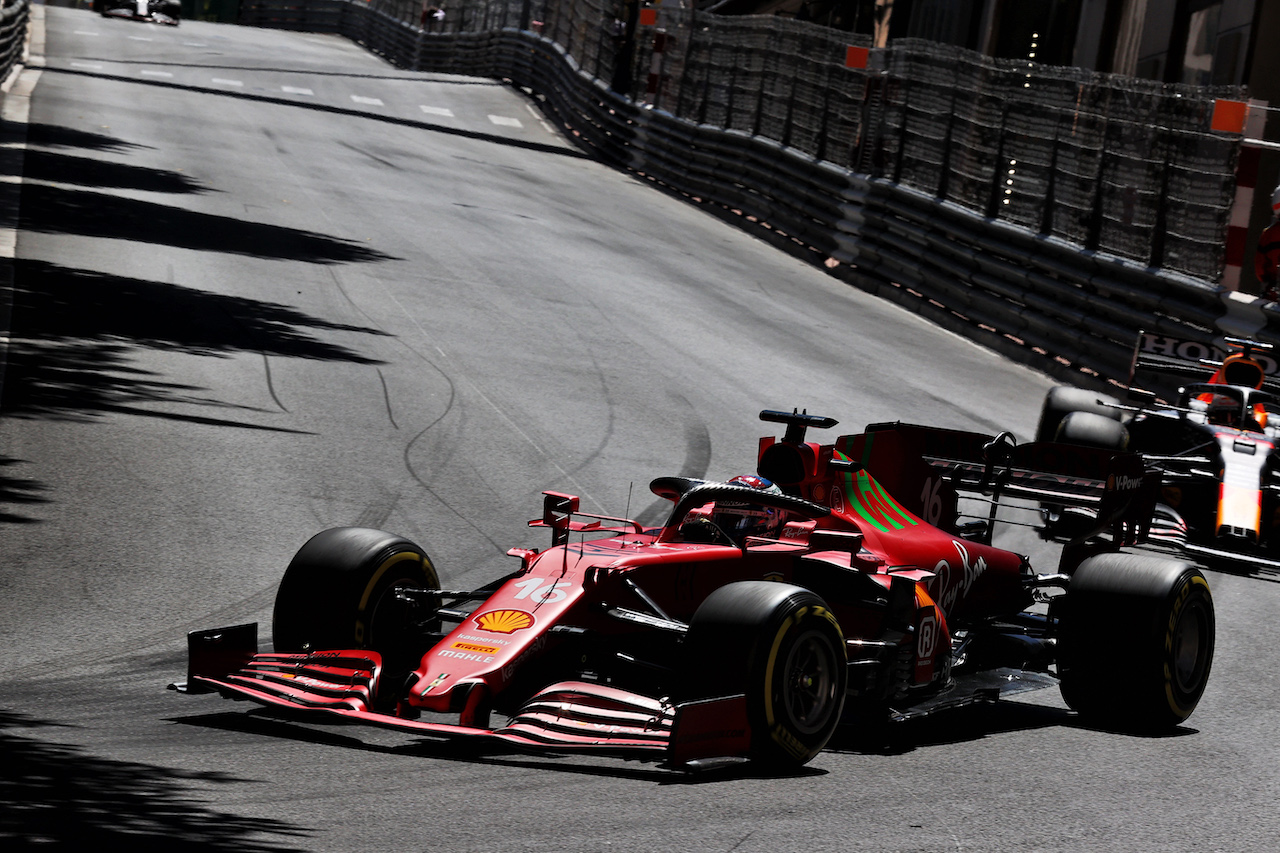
(1049, 212)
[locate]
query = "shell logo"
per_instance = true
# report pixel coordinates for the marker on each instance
(504, 621)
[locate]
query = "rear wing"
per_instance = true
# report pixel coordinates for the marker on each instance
(923, 467)
(1198, 361)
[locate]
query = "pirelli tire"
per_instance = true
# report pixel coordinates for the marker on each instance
(1073, 416)
(340, 591)
(782, 647)
(1062, 400)
(1092, 430)
(1136, 641)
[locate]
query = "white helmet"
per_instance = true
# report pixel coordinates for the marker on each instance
(1275, 200)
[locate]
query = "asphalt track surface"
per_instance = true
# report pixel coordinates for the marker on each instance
(243, 313)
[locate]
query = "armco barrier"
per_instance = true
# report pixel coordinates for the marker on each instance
(1045, 302)
(13, 35)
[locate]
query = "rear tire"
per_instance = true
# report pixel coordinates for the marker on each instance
(1136, 641)
(781, 646)
(1065, 399)
(1091, 430)
(339, 592)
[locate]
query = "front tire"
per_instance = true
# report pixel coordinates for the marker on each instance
(340, 592)
(781, 646)
(1092, 430)
(1065, 399)
(1136, 641)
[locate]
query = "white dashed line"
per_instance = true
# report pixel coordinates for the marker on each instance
(140, 38)
(224, 82)
(194, 44)
(93, 66)
(373, 102)
(437, 111)
(85, 33)
(296, 90)
(156, 74)
(506, 121)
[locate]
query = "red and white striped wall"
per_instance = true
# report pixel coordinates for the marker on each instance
(1248, 119)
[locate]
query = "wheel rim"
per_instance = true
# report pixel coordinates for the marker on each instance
(808, 692)
(1189, 648)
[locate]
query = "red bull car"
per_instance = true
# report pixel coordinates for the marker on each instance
(1214, 445)
(840, 581)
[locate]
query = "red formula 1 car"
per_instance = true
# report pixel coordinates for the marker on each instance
(835, 583)
(1215, 445)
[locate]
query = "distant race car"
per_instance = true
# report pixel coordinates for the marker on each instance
(1214, 446)
(156, 11)
(838, 582)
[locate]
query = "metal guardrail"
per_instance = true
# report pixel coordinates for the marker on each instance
(1072, 313)
(13, 35)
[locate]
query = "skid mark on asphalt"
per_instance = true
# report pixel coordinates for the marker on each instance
(375, 515)
(386, 398)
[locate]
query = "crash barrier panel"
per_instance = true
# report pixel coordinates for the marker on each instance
(1069, 310)
(307, 16)
(13, 35)
(1115, 164)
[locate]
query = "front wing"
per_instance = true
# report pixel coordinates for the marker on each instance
(570, 716)
(1169, 532)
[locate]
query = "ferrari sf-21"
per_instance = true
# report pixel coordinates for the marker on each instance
(839, 582)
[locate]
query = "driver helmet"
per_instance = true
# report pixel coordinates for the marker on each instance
(1224, 411)
(741, 520)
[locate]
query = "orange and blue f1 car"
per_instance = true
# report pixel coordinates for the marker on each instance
(838, 582)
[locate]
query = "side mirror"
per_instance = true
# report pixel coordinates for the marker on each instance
(557, 509)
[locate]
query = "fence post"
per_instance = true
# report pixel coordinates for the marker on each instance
(1046, 214)
(997, 168)
(944, 179)
(902, 129)
(1161, 223)
(1093, 237)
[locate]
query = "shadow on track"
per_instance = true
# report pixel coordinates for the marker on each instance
(85, 172)
(469, 752)
(55, 794)
(79, 210)
(438, 78)
(17, 491)
(57, 210)
(73, 331)
(962, 725)
(542, 147)
(958, 726)
(57, 136)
